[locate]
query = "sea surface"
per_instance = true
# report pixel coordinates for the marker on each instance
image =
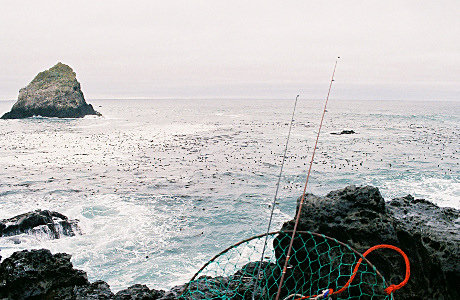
(161, 186)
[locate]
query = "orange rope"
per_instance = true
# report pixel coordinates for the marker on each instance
(389, 289)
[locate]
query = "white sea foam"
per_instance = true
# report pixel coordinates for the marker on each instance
(443, 192)
(160, 187)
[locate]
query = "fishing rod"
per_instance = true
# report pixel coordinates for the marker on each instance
(274, 201)
(286, 263)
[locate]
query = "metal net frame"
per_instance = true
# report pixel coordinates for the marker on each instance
(317, 263)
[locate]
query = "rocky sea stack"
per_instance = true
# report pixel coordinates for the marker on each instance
(52, 93)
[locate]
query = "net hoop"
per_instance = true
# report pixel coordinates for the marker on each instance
(357, 253)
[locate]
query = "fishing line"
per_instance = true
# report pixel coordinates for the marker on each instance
(274, 201)
(286, 263)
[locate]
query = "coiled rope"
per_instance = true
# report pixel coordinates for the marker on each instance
(388, 290)
(318, 263)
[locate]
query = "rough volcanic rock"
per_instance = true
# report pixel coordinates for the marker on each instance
(174, 293)
(52, 93)
(428, 234)
(98, 290)
(358, 216)
(138, 292)
(37, 274)
(439, 231)
(239, 285)
(39, 221)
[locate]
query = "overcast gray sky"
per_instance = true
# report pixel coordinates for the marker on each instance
(393, 49)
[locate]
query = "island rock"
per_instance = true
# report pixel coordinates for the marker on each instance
(52, 93)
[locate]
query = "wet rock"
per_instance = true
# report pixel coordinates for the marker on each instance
(50, 223)
(52, 93)
(438, 230)
(37, 274)
(240, 285)
(344, 132)
(139, 292)
(428, 234)
(173, 294)
(99, 290)
(358, 216)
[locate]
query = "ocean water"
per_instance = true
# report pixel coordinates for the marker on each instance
(161, 186)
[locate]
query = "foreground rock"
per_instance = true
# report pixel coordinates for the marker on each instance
(358, 216)
(38, 274)
(428, 234)
(52, 93)
(39, 222)
(139, 291)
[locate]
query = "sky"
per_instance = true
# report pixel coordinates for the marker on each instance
(390, 50)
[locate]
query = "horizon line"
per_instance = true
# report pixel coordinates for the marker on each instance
(267, 98)
(252, 98)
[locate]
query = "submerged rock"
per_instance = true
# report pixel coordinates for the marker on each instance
(50, 223)
(52, 93)
(344, 132)
(428, 234)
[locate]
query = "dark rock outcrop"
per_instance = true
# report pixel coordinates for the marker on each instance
(52, 93)
(138, 292)
(239, 285)
(38, 274)
(358, 216)
(344, 132)
(46, 222)
(428, 234)
(438, 229)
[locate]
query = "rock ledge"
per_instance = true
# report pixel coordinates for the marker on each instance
(428, 234)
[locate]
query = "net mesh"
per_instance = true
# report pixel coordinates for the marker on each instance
(317, 262)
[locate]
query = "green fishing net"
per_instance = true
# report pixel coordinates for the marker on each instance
(317, 263)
